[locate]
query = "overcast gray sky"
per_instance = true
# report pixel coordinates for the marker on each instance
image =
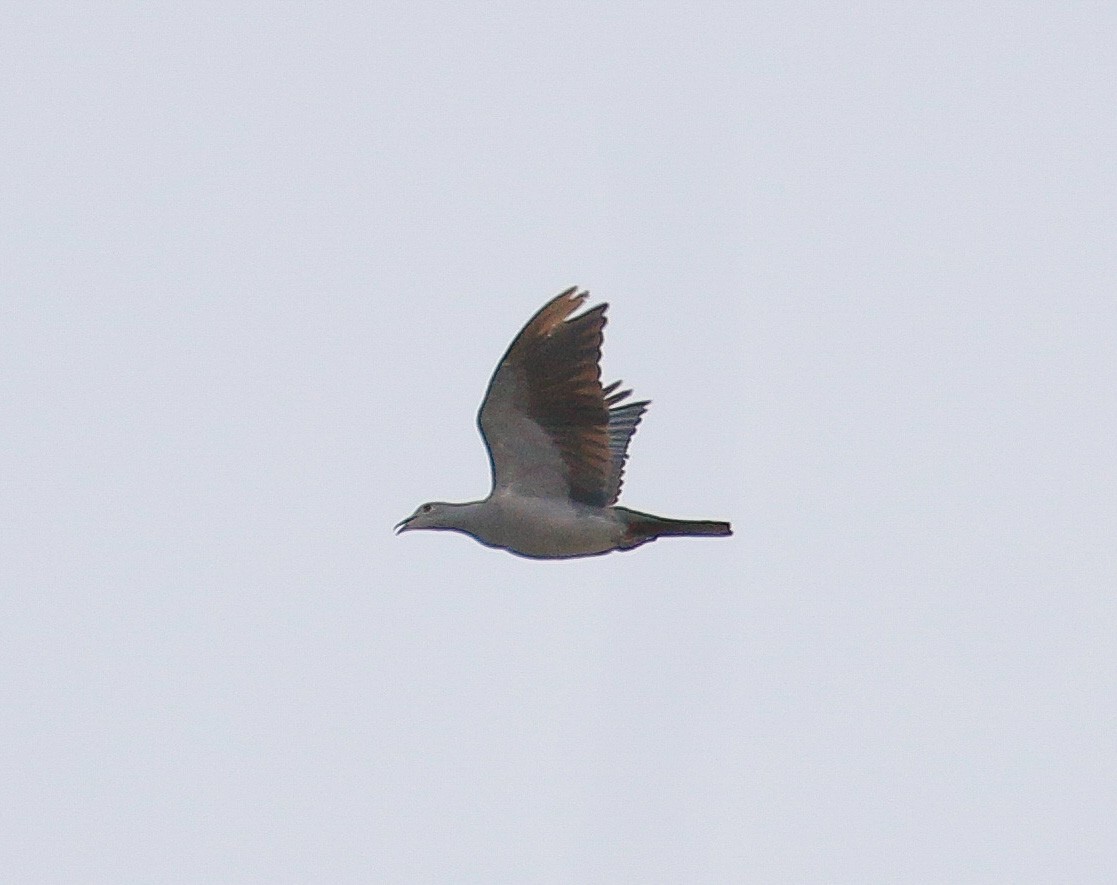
(257, 262)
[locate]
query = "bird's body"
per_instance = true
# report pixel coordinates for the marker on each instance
(557, 444)
(543, 528)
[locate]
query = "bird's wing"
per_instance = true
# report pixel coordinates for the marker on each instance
(623, 421)
(545, 418)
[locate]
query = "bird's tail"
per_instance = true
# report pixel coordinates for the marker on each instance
(644, 527)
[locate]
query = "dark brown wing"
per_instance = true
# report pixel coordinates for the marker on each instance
(545, 418)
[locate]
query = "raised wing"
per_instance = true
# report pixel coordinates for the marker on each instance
(549, 425)
(623, 421)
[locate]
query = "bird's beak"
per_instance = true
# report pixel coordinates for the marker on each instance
(401, 526)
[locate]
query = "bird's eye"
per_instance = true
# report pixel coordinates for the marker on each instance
(426, 508)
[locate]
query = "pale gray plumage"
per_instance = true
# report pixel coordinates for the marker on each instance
(557, 444)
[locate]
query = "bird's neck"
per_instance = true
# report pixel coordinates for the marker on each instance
(468, 516)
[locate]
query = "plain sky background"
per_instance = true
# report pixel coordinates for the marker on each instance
(257, 262)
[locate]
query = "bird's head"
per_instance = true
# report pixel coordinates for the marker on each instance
(434, 515)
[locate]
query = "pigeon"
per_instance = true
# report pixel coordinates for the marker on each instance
(557, 441)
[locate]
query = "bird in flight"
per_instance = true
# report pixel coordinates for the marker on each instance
(557, 442)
